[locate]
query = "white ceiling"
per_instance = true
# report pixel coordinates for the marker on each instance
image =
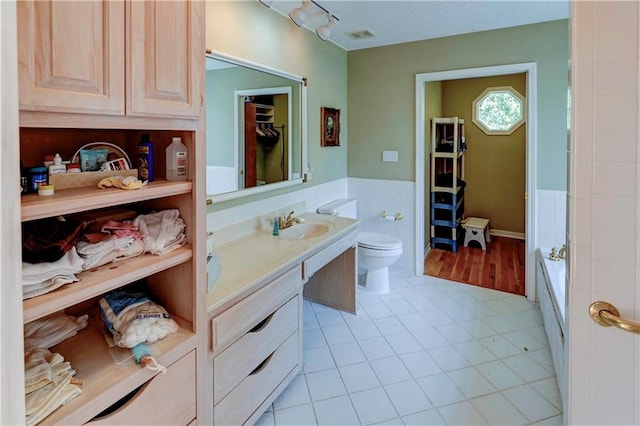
(399, 21)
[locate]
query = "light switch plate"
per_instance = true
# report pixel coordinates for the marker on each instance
(390, 156)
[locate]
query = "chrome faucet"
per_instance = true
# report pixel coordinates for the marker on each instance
(288, 221)
(562, 254)
(554, 255)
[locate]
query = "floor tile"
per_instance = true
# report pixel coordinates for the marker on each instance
(429, 338)
(440, 389)
(527, 368)
(433, 352)
(347, 353)
(389, 326)
(407, 397)
(413, 321)
(313, 338)
(376, 348)
(337, 334)
(295, 394)
(448, 358)
(390, 370)
(501, 376)
(336, 411)
(429, 417)
(506, 414)
(403, 343)
(317, 359)
(462, 413)
(296, 416)
(420, 364)
(359, 377)
(364, 330)
(373, 406)
(325, 384)
(530, 403)
(499, 346)
(471, 382)
(378, 310)
(474, 352)
(329, 318)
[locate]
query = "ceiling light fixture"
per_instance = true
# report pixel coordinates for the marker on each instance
(299, 16)
(324, 31)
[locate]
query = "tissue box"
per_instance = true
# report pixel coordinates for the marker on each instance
(85, 179)
(213, 270)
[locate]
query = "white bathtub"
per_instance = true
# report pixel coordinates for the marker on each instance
(550, 294)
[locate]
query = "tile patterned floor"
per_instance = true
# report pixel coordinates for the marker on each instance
(431, 352)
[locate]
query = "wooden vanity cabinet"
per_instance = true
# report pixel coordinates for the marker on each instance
(257, 349)
(136, 58)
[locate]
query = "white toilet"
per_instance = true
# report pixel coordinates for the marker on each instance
(376, 252)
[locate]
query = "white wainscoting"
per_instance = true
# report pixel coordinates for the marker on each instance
(551, 216)
(375, 196)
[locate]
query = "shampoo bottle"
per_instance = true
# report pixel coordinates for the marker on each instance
(177, 160)
(145, 158)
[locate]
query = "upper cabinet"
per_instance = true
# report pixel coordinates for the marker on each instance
(111, 57)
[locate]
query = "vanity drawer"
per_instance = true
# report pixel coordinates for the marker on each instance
(167, 399)
(242, 402)
(233, 323)
(327, 254)
(236, 362)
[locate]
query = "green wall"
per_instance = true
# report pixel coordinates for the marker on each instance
(249, 30)
(495, 166)
(381, 84)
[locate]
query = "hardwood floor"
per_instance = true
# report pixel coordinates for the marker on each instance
(501, 267)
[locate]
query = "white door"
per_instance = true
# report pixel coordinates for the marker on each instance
(604, 213)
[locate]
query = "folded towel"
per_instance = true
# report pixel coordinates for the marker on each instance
(37, 289)
(164, 230)
(70, 263)
(51, 330)
(47, 240)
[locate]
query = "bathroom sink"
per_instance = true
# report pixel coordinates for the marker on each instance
(303, 231)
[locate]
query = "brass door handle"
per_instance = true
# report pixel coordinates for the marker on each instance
(607, 315)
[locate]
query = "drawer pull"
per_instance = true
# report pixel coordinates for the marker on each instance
(262, 365)
(262, 324)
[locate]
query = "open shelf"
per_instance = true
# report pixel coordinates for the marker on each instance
(101, 280)
(109, 373)
(76, 200)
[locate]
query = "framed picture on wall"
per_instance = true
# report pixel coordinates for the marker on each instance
(329, 126)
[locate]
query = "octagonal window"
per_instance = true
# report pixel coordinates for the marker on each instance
(499, 110)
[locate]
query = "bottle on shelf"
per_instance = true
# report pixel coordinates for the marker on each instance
(145, 158)
(177, 160)
(57, 166)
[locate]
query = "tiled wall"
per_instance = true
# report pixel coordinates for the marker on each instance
(551, 218)
(604, 363)
(374, 197)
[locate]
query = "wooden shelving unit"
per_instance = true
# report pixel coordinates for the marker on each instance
(448, 145)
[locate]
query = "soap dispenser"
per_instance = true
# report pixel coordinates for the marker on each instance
(276, 227)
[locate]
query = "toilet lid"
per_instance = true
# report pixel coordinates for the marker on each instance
(373, 240)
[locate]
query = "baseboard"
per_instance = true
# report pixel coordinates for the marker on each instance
(507, 234)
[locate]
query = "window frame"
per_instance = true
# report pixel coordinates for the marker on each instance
(515, 126)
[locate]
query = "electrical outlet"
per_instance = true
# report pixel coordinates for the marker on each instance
(390, 156)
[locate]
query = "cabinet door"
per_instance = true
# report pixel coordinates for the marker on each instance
(165, 58)
(71, 56)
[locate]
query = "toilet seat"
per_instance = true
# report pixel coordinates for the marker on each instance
(375, 241)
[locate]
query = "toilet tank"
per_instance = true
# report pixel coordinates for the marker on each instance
(344, 207)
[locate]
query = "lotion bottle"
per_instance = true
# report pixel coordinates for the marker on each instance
(177, 160)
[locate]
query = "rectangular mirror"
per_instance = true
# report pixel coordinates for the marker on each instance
(254, 127)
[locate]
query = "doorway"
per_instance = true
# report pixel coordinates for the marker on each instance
(421, 188)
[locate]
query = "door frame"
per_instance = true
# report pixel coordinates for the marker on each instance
(530, 69)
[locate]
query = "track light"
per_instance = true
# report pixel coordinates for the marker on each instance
(324, 31)
(299, 14)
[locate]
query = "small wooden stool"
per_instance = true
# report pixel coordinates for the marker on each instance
(476, 229)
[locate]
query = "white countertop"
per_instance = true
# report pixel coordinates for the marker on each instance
(255, 258)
